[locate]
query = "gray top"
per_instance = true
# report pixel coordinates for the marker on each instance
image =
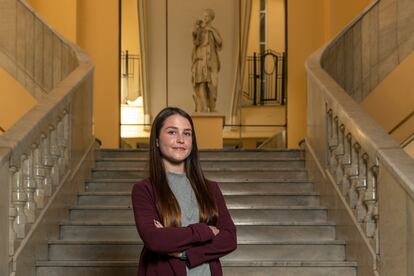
(183, 192)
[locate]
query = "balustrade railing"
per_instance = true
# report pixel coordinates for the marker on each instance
(355, 173)
(42, 154)
(363, 175)
(36, 174)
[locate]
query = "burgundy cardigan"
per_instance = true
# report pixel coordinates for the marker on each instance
(196, 239)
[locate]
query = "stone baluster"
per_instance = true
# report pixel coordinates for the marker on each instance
(353, 172)
(346, 165)
(39, 176)
(60, 147)
(54, 154)
(329, 118)
(339, 154)
(376, 235)
(66, 139)
(12, 233)
(12, 213)
(47, 164)
(332, 141)
(29, 186)
(370, 201)
(19, 198)
(361, 188)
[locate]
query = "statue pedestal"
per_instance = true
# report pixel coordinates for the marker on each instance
(209, 130)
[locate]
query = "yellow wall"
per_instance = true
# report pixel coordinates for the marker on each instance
(263, 115)
(130, 43)
(393, 100)
(305, 35)
(97, 32)
(311, 23)
(15, 101)
(276, 25)
(60, 14)
(130, 30)
(209, 130)
(253, 41)
(93, 24)
(338, 14)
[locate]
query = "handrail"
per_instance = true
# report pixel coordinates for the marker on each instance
(408, 140)
(403, 121)
(334, 64)
(364, 167)
(274, 139)
(41, 155)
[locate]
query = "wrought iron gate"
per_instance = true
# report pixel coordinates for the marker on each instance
(266, 83)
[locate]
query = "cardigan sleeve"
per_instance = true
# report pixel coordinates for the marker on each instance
(222, 244)
(167, 239)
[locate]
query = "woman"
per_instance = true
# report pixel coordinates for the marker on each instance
(180, 216)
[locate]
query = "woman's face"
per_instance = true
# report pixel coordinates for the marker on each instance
(175, 140)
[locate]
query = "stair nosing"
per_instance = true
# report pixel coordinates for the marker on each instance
(140, 242)
(133, 262)
(225, 159)
(126, 207)
(110, 193)
(281, 224)
(244, 180)
(207, 150)
(243, 207)
(143, 169)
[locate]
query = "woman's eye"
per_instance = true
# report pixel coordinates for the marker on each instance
(171, 132)
(187, 134)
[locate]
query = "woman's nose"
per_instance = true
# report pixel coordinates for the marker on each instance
(180, 138)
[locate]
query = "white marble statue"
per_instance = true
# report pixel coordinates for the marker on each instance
(205, 63)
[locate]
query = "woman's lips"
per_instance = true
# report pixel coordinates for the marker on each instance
(179, 148)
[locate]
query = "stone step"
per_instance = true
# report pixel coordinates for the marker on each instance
(216, 175)
(208, 159)
(253, 200)
(252, 215)
(206, 165)
(240, 187)
(289, 268)
(230, 268)
(261, 231)
(266, 251)
(206, 154)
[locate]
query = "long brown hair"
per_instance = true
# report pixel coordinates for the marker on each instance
(166, 202)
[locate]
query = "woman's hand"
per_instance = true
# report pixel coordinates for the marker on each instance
(173, 254)
(214, 229)
(158, 224)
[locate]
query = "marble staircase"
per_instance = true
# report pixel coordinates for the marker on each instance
(281, 227)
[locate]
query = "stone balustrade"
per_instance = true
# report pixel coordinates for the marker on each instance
(47, 154)
(36, 56)
(363, 175)
(355, 173)
(36, 174)
(365, 52)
